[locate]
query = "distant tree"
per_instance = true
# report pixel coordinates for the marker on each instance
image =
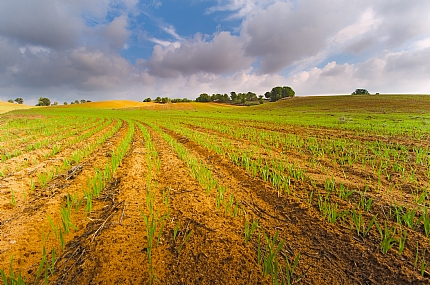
(76, 101)
(203, 98)
(10, 101)
(287, 91)
(72, 103)
(55, 103)
(83, 101)
(278, 93)
(43, 102)
(165, 100)
(157, 100)
(260, 99)
(89, 101)
(19, 100)
(251, 96)
(360, 92)
(233, 96)
(65, 103)
(147, 100)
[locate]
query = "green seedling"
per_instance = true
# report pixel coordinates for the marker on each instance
(311, 197)
(166, 195)
(66, 220)
(422, 262)
(54, 227)
(344, 193)
(176, 230)
(42, 179)
(387, 238)
(408, 218)
(12, 199)
(12, 279)
(184, 241)
(360, 225)
(290, 268)
(402, 242)
(249, 229)
(270, 263)
(89, 203)
(152, 221)
(426, 221)
(365, 203)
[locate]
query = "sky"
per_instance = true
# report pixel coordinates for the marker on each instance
(127, 49)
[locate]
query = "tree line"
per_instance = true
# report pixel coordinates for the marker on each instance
(273, 95)
(277, 93)
(165, 100)
(43, 101)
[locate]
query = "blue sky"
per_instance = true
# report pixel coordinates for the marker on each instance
(129, 49)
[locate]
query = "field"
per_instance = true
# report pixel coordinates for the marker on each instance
(313, 190)
(6, 107)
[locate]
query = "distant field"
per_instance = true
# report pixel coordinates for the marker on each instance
(6, 107)
(311, 190)
(126, 104)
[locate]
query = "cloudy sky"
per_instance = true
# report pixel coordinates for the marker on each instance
(129, 49)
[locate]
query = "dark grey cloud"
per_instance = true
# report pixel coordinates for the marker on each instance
(46, 44)
(45, 23)
(222, 54)
(81, 68)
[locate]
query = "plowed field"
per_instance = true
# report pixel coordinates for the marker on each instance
(299, 192)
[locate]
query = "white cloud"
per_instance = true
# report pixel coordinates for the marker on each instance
(171, 31)
(164, 43)
(421, 44)
(391, 72)
(366, 23)
(240, 8)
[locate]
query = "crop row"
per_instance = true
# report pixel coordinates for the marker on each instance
(72, 206)
(384, 159)
(51, 136)
(55, 148)
(271, 255)
(43, 128)
(334, 201)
